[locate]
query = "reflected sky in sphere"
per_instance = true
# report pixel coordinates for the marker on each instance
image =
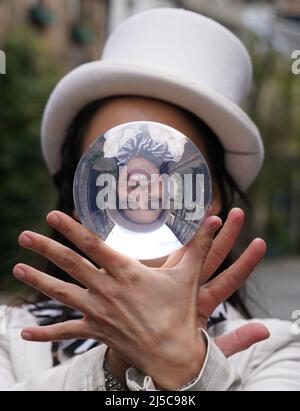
(144, 188)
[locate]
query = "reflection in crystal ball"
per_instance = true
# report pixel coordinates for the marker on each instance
(144, 188)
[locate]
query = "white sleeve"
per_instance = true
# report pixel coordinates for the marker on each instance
(27, 366)
(7, 377)
(83, 373)
(19, 359)
(273, 365)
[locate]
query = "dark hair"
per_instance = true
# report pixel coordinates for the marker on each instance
(70, 156)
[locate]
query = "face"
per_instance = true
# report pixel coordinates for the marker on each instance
(137, 174)
(120, 110)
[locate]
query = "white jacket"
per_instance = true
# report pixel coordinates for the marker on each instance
(271, 365)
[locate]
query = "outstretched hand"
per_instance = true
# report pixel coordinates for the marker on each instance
(150, 317)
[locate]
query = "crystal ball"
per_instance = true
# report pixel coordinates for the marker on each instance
(144, 188)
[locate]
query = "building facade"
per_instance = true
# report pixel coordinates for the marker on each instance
(289, 8)
(74, 30)
(119, 11)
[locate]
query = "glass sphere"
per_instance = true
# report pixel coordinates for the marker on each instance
(144, 188)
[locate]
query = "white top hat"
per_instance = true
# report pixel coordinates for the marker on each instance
(173, 55)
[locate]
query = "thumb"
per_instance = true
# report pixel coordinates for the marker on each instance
(242, 339)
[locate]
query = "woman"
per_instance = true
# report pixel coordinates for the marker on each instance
(146, 325)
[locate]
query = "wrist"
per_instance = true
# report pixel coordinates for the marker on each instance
(172, 374)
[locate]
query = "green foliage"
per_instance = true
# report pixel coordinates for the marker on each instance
(25, 191)
(274, 106)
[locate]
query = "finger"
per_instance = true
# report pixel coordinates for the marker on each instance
(198, 248)
(227, 283)
(68, 330)
(174, 258)
(69, 261)
(69, 294)
(90, 244)
(242, 339)
(223, 243)
(210, 211)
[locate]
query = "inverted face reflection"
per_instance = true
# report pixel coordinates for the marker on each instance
(143, 187)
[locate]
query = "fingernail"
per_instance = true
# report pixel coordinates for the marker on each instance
(19, 273)
(26, 335)
(53, 219)
(25, 240)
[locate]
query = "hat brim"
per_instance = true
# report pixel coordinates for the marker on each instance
(98, 80)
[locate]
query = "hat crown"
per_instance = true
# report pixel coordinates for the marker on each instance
(186, 45)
